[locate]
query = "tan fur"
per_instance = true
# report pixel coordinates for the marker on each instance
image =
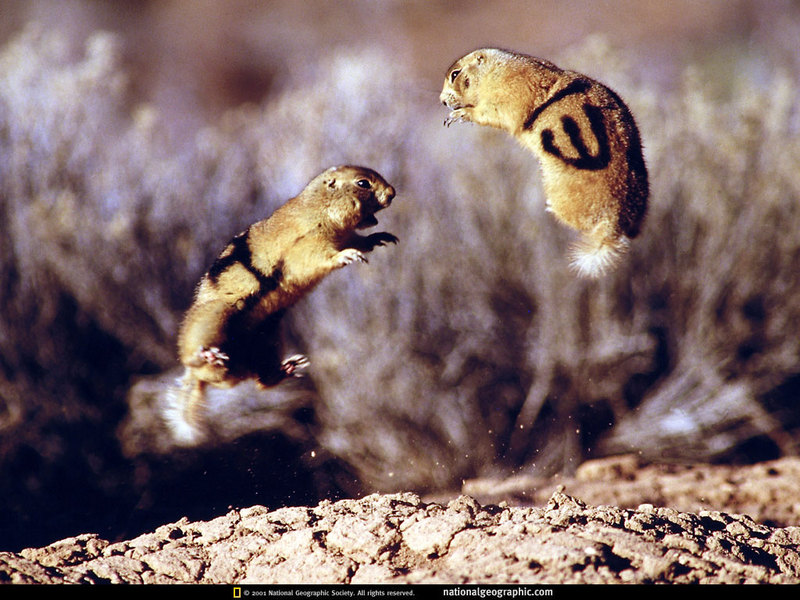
(231, 331)
(594, 175)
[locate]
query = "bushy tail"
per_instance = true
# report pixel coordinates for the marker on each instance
(184, 408)
(591, 258)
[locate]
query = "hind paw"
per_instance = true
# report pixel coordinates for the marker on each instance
(213, 356)
(293, 365)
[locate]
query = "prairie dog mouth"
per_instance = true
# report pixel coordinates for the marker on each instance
(377, 203)
(450, 101)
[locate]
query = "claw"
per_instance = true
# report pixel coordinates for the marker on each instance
(383, 238)
(455, 116)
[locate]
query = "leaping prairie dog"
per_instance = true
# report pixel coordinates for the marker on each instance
(593, 171)
(231, 331)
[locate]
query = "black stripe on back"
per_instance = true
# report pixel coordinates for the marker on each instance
(574, 87)
(241, 254)
(585, 159)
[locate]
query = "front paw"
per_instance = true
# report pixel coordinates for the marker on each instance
(459, 114)
(382, 238)
(349, 256)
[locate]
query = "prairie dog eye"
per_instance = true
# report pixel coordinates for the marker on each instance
(453, 74)
(364, 183)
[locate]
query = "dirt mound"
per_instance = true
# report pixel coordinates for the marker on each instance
(769, 492)
(400, 538)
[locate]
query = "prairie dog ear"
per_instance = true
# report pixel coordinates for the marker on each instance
(331, 182)
(480, 58)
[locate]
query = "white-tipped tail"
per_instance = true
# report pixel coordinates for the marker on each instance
(591, 259)
(181, 412)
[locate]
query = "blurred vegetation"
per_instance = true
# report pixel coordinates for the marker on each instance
(469, 349)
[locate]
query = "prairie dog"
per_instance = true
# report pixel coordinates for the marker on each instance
(588, 145)
(231, 331)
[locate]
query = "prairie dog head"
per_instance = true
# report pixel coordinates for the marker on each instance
(463, 77)
(352, 195)
(492, 87)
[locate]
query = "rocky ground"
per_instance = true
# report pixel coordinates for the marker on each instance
(616, 521)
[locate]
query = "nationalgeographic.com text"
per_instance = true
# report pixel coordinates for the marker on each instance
(516, 592)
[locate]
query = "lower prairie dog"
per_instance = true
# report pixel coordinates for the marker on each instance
(588, 145)
(231, 331)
